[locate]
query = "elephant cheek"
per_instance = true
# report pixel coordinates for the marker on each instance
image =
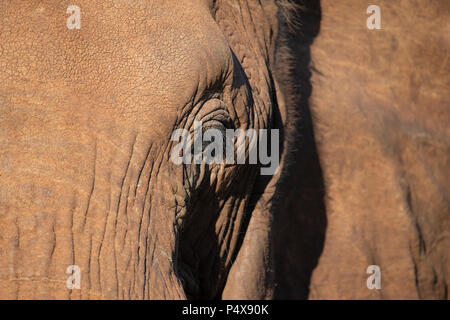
(81, 208)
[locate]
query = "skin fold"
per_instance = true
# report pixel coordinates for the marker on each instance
(86, 121)
(374, 169)
(386, 161)
(86, 118)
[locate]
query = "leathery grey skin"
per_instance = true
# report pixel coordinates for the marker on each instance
(86, 177)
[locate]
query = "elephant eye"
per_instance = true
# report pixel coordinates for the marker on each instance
(208, 142)
(214, 114)
(212, 121)
(213, 132)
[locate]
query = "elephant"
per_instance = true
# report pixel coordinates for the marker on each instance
(92, 205)
(370, 183)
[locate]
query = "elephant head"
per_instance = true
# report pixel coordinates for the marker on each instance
(86, 126)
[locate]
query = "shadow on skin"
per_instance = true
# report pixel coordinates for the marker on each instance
(299, 219)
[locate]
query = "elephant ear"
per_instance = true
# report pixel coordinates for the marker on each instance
(252, 30)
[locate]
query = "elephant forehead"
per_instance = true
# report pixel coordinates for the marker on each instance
(138, 61)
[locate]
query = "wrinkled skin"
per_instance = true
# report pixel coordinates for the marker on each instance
(86, 121)
(85, 125)
(378, 192)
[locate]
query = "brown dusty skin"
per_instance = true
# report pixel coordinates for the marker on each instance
(381, 112)
(86, 179)
(86, 121)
